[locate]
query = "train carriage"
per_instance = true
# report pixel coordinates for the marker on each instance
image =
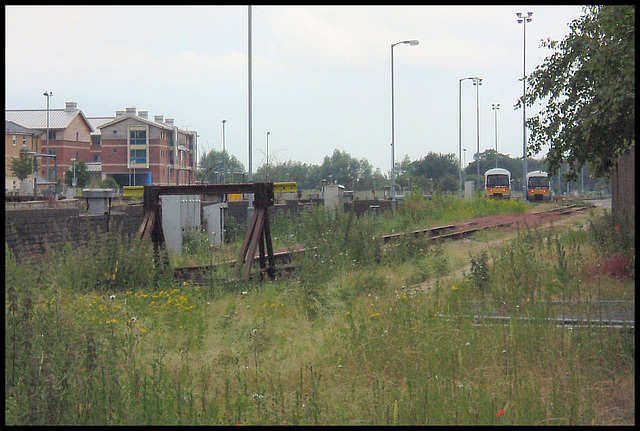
(497, 183)
(538, 186)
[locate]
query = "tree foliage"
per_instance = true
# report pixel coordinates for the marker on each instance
(434, 171)
(217, 167)
(340, 167)
(81, 174)
(344, 169)
(589, 87)
(109, 183)
(307, 176)
(24, 165)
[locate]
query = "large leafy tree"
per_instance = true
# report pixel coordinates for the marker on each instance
(345, 169)
(307, 176)
(434, 165)
(433, 171)
(81, 172)
(24, 165)
(217, 167)
(588, 84)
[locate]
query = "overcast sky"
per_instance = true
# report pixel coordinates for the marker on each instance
(321, 76)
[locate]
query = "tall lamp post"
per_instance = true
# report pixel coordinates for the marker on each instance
(464, 162)
(48, 95)
(224, 155)
(495, 107)
(460, 128)
(524, 20)
(266, 174)
(393, 158)
(477, 82)
(73, 182)
(249, 108)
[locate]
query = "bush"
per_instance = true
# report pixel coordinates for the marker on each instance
(612, 235)
(109, 183)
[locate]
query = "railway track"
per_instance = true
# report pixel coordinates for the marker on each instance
(461, 230)
(200, 274)
(561, 321)
(598, 314)
(618, 315)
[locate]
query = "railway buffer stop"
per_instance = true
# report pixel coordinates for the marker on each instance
(258, 233)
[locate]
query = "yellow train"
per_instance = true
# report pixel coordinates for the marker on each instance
(497, 183)
(538, 186)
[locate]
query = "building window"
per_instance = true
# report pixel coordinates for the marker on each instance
(138, 149)
(24, 140)
(15, 138)
(95, 140)
(52, 135)
(138, 157)
(137, 136)
(97, 157)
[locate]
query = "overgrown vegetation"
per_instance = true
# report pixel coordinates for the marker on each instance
(102, 334)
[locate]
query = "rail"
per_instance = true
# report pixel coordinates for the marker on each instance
(438, 233)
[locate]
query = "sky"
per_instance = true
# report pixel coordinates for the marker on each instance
(320, 75)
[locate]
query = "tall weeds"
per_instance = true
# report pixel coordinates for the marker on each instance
(102, 335)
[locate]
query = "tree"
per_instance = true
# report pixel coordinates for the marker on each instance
(24, 165)
(109, 183)
(81, 174)
(306, 176)
(217, 167)
(344, 169)
(355, 174)
(589, 88)
(430, 171)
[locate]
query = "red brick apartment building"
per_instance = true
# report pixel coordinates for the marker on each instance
(138, 151)
(128, 146)
(18, 139)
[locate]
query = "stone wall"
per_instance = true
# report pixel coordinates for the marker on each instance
(38, 232)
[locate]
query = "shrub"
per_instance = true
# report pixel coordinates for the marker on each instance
(109, 183)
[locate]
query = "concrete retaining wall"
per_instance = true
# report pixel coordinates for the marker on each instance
(38, 232)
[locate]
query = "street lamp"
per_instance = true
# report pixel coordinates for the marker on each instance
(460, 126)
(224, 154)
(48, 95)
(465, 162)
(73, 182)
(495, 107)
(524, 20)
(393, 159)
(477, 82)
(267, 170)
(249, 101)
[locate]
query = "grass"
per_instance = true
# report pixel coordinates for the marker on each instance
(102, 335)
